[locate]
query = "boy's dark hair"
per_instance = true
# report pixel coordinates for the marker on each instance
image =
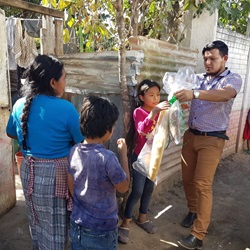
(98, 115)
(221, 46)
(143, 87)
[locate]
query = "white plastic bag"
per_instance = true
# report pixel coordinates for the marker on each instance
(176, 123)
(149, 159)
(143, 161)
(185, 78)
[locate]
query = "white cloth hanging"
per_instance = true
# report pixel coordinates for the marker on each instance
(10, 31)
(25, 47)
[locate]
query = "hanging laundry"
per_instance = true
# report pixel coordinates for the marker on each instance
(33, 26)
(25, 47)
(10, 31)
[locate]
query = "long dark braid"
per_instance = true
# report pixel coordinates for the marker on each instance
(38, 77)
(25, 117)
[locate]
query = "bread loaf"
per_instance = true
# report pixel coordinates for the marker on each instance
(159, 143)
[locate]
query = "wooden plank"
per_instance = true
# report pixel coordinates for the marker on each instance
(32, 7)
(44, 41)
(58, 37)
(48, 36)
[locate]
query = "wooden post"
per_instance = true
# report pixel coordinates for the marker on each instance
(58, 37)
(248, 28)
(51, 43)
(44, 37)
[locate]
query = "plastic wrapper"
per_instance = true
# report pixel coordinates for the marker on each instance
(143, 161)
(176, 122)
(185, 78)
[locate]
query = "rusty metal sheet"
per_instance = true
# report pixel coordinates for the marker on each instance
(162, 57)
(98, 72)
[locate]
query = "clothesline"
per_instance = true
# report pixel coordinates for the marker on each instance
(23, 19)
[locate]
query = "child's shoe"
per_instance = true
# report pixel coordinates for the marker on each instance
(123, 235)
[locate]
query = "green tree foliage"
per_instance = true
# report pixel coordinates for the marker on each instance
(92, 24)
(95, 21)
(154, 19)
(96, 28)
(233, 14)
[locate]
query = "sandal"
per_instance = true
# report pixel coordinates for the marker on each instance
(147, 226)
(123, 235)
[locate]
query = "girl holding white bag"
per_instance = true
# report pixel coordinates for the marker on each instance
(145, 119)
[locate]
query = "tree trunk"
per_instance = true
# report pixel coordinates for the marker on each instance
(122, 66)
(122, 198)
(134, 17)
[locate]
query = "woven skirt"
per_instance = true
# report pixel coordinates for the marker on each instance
(46, 195)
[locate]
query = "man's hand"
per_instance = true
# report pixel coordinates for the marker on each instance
(184, 95)
(212, 95)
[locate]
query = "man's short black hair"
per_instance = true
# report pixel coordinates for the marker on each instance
(98, 115)
(221, 46)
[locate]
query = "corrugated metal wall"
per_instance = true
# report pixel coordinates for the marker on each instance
(161, 57)
(97, 73)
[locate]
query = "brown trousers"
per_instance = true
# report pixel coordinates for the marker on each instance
(200, 158)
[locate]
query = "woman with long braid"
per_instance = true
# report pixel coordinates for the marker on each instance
(46, 127)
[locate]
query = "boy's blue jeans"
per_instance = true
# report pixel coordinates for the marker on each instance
(85, 239)
(142, 188)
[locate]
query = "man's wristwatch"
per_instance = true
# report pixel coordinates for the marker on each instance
(196, 94)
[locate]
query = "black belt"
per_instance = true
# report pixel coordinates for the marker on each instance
(220, 134)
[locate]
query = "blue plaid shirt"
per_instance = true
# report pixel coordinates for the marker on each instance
(213, 116)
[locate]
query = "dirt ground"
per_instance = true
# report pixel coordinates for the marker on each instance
(229, 228)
